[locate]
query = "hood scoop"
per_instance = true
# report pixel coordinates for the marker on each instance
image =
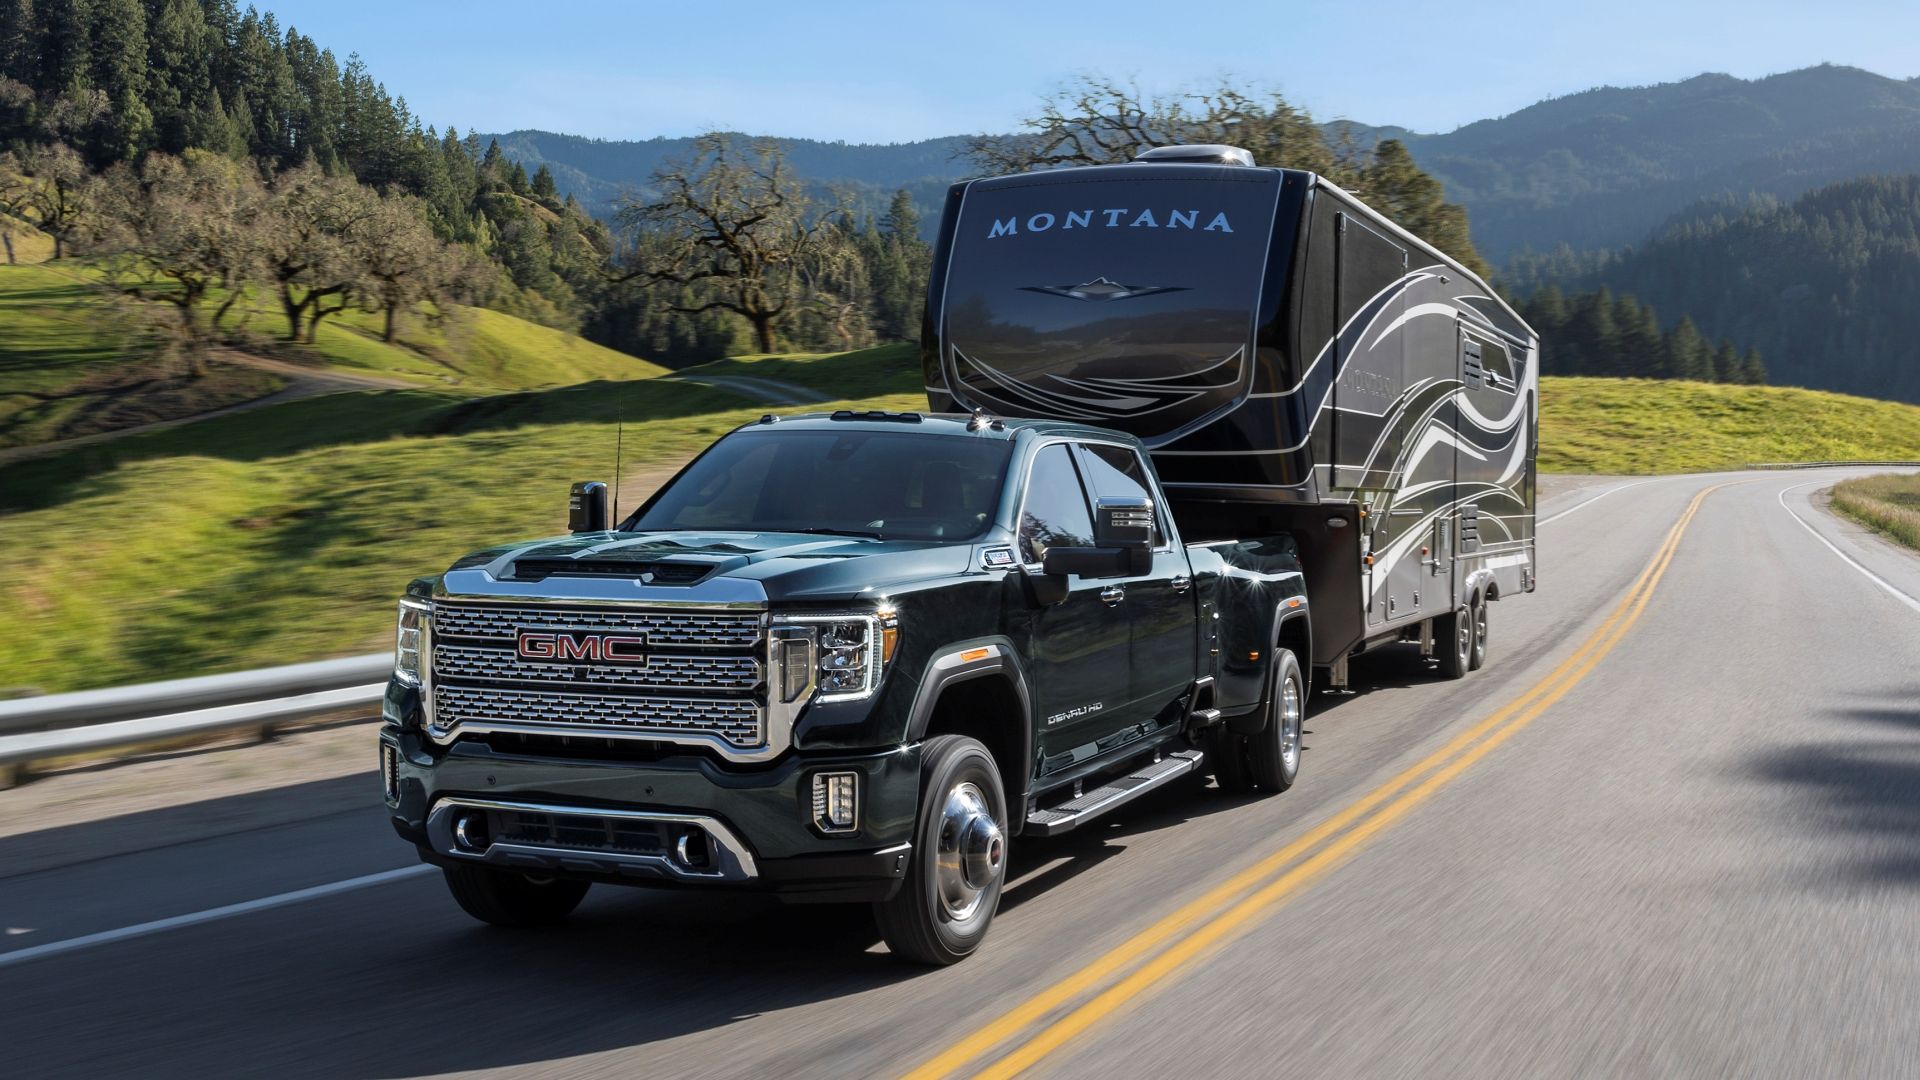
(647, 571)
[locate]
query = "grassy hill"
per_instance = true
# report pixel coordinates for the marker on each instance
(1649, 426)
(285, 533)
(74, 360)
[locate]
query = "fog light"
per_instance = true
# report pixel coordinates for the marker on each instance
(390, 772)
(836, 802)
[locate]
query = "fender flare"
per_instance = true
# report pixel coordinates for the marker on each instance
(1252, 723)
(975, 659)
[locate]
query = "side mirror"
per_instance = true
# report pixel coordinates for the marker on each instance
(1126, 522)
(1122, 542)
(587, 507)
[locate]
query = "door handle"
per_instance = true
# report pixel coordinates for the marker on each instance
(1181, 583)
(1112, 595)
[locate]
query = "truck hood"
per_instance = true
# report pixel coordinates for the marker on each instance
(785, 566)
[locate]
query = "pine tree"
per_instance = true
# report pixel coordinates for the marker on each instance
(1688, 355)
(1394, 185)
(1752, 371)
(1726, 363)
(902, 220)
(1593, 345)
(543, 186)
(117, 48)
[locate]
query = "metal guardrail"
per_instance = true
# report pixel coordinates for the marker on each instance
(61, 725)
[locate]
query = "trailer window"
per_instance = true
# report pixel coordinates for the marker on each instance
(1497, 365)
(1116, 470)
(1055, 511)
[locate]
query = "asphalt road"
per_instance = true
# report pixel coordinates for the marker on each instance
(1674, 828)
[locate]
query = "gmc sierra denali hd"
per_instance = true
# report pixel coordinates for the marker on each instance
(850, 657)
(842, 657)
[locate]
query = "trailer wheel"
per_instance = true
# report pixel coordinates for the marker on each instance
(944, 907)
(1273, 758)
(1453, 640)
(1479, 632)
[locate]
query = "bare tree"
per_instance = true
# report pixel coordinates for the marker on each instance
(312, 235)
(735, 223)
(1099, 121)
(405, 263)
(14, 189)
(60, 197)
(177, 229)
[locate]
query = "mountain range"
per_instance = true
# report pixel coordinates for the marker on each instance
(1596, 169)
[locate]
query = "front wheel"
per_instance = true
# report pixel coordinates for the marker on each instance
(1273, 756)
(944, 907)
(505, 898)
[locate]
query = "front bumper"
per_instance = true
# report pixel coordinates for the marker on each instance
(754, 822)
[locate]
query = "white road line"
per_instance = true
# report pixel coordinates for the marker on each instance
(104, 937)
(1890, 588)
(1596, 498)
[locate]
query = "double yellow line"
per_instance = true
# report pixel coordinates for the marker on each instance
(1234, 906)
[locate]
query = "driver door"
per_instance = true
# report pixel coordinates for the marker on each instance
(1080, 662)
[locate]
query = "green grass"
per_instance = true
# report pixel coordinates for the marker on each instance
(1641, 426)
(285, 533)
(72, 361)
(1889, 505)
(893, 369)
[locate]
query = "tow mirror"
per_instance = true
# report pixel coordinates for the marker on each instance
(587, 507)
(1125, 522)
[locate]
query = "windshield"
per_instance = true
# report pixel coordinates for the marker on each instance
(890, 485)
(1123, 301)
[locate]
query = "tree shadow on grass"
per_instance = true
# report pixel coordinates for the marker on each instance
(357, 417)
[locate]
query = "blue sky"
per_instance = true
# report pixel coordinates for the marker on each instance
(881, 72)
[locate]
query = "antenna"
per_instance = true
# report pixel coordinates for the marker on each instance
(619, 437)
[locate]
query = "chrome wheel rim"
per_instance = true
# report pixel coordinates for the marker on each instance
(1464, 636)
(969, 854)
(1290, 713)
(1480, 625)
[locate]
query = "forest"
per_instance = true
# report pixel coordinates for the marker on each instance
(193, 149)
(1823, 286)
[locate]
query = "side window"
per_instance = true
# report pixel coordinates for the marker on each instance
(1056, 507)
(1116, 470)
(1493, 357)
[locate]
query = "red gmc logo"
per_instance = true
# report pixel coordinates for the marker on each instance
(568, 645)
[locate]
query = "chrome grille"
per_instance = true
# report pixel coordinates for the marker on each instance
(736, 721)
(701, 682)
(703, 672)
(694, 629)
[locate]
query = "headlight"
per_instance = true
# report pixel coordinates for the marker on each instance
(408, 638)
(851, 652)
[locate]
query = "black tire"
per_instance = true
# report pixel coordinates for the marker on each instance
(1453, 643)
(1273, 756)
(1479, 633)
(504, 898)
(946, 905)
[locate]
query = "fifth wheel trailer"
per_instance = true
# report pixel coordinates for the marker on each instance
(1294, 362)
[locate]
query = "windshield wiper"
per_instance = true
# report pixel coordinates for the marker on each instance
(819, 531)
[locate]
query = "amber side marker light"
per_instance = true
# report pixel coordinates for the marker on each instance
(971, 655)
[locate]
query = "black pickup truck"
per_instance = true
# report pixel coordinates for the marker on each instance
(840, 657)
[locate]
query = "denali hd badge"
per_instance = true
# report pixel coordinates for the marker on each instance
(567, 645)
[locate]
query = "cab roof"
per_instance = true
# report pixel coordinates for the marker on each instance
(960, 425)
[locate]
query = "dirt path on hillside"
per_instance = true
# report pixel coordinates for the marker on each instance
(304, 382)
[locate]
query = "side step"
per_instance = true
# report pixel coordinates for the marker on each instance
(1118, 792)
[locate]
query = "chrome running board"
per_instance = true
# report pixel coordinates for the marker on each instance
(1115, 793)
